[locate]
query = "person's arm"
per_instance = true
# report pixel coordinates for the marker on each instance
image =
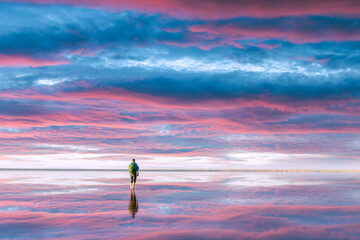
(137, 170)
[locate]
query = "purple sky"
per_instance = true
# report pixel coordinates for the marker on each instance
(180, 84)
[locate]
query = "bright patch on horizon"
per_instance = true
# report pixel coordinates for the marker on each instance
(265, 158)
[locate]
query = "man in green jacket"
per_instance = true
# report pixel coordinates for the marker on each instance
(134, 172)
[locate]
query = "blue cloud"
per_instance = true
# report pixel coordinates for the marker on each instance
(42, 29)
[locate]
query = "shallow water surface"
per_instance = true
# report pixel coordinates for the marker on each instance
(179, 205)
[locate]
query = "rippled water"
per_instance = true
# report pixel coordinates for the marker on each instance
(179, 205)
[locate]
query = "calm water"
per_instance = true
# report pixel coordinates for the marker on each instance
(177, 205)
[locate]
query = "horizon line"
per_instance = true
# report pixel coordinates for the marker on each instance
(186, 170)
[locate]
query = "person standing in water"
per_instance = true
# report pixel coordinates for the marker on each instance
(134, 172)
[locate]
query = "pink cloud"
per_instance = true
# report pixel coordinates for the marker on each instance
(84, 52)
(94, 108)
(267, 46)
(25, 61)
(312, 59)
(296, 35)
(214, 9)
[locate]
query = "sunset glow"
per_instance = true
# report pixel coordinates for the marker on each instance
(180, 84)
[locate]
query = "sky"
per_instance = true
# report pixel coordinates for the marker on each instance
(180, 84)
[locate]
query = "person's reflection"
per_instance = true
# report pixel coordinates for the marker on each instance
(133, 204)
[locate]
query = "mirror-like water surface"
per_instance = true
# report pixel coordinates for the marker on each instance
(179, 205)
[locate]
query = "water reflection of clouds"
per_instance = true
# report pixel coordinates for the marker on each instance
(203, 206)
(121, 178)
(253, 180)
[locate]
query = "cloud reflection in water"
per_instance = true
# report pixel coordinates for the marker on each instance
(43, 205)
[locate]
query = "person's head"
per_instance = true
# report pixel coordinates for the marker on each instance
(133, 159)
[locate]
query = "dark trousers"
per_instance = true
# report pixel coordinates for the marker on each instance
(133, 178)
